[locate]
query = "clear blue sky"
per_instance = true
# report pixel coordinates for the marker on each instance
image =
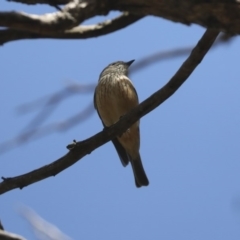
(189, 145)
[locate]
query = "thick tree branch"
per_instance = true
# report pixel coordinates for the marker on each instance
(223, 15)
(85, 147)
(71, 15)
(81, 32)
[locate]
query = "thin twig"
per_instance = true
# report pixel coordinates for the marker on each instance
(36, 133)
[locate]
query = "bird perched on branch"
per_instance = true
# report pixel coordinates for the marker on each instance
(115, 96)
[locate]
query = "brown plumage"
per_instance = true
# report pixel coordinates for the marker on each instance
(115, 96)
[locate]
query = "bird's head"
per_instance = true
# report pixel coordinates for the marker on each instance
(118, 67)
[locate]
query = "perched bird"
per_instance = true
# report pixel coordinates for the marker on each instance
(115, 96)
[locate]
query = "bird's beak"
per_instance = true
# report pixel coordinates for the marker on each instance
(130, 62)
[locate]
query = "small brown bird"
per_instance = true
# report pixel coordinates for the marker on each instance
(115, 96)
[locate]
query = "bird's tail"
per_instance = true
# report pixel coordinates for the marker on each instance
(139, 173)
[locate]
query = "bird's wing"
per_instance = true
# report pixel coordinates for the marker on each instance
(124, 157)
(130, 84)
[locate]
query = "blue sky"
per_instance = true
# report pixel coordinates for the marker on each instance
(189, 145)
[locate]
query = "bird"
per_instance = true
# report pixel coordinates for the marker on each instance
(114, 97)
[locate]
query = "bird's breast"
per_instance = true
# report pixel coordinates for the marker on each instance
(115, 96)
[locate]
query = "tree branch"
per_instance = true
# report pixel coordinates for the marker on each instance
(222, 15)
(71, 15)
(85, 147)
(81, 32)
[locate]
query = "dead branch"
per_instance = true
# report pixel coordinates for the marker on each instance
(81, 32)
(70, 16)
(222, 15)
